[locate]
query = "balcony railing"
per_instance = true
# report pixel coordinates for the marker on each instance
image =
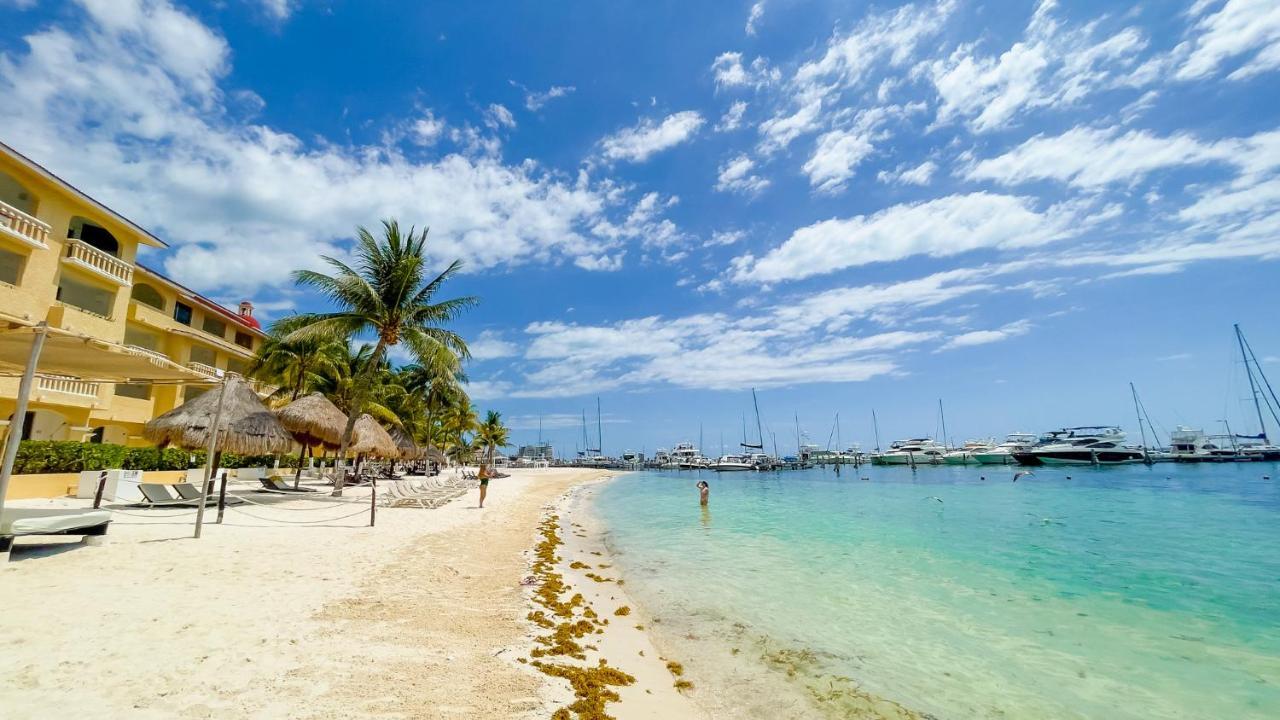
(23, 227)
(148, 351)
(105, 264)
(68, 386)
(209, 370)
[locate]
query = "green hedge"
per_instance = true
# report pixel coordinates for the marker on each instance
(61, 456)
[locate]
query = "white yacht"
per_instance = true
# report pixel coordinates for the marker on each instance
(917, 451)
(687, 457)
(965, 455)
(732, 463)
(1087, 445)
(1002, 454)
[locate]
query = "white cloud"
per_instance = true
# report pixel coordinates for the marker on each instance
(1093, 157)
(498, 116)
(921, 174)
(560, 421)
(1052, 66)
(730, 72)
(732, 119)
(427, 130)
(19, 4)
(838, 153)
(725, 237)
(937, 228)
(986, 337)
(736, 176)
(639, 143)
(278, 9)
(1239, 27)
(245, 203)
(535, 101)
(757, 12)
(490, 346)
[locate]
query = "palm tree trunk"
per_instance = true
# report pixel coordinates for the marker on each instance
(358, 401)
(302, 456)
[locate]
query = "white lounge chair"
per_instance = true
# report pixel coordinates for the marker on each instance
(22, 522)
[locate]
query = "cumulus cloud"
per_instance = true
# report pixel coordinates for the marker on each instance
(498, 116)
(921, 174)
(736, 176)
(244, 203)
(1248, 28)
(1053, 65)
(732, 118)
(535, 101)
(730, 72)
(937, 228)
(490, 345)
(986, 337)
(753, 17)
(647, 138)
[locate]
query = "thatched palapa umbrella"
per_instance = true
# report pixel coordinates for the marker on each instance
(247, 426)
(230, 418)
(370, 438)
(313, 420)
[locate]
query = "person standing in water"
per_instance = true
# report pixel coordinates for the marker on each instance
(483, 476)
(704, 492)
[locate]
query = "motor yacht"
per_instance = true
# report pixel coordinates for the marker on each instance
(917, 451)
(964, 455)
(1002, 454)
(732, 463)
(1086, 445)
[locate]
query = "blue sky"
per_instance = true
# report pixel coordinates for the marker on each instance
(1015, 207)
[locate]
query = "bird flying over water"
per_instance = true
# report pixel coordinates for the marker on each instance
(934, 497)
(1021, 473)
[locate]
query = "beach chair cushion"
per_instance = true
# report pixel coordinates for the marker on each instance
(156, 494)
(33, 521)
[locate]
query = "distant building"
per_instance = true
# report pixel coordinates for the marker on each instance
(538, 451)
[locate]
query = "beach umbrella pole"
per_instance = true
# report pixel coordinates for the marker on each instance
(14, 438)
(208, 457)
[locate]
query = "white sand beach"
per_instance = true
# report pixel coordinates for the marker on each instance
(422, 616)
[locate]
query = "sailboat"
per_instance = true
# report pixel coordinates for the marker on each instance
(1257, 447)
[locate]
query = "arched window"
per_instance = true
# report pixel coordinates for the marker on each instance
(148, 295)
(90, 233)
(13, 194)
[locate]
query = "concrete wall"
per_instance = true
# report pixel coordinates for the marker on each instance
(54, 485)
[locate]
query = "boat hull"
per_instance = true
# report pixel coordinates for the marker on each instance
(1101, 457)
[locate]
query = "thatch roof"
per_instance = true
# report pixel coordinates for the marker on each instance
(409, 450)
(248, 427)
(371, 438)
(314, 420)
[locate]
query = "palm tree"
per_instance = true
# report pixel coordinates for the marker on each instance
(386, 294)
(294, 365)
(437, 384)
(492, 434)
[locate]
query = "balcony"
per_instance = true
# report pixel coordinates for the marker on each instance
(139, 350)
(203, 369)
(20, 226)
(102, 264)
(68, 386)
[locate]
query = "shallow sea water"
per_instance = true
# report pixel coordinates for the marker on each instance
(1120, 592)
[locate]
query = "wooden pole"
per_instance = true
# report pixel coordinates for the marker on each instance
(222, 496)
(102, 485)
(20, 410)
(209, 453)
(373, 501)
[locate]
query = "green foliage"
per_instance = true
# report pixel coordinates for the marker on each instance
(62, 456)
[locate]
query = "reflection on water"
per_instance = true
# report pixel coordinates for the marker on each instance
(1127, 592)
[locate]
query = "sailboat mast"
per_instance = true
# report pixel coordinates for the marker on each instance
(875, 426)
(759, 431)
(1274, 404)
(943, 415)
(1253, 387)
(839, 442)
(797, 434)
(1138, 411)
(599, 429)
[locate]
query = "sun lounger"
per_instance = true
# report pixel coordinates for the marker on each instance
(20, 522)
(190, 492)
(277, 485)
(157, 495)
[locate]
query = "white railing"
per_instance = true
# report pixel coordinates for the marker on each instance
(68, 385)
(138, 349)
(23, 226)
(103, 263)
(209, 370)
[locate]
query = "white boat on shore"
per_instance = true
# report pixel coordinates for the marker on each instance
(965, 455)
(916, 451)
(1085, 445)
(732, 463)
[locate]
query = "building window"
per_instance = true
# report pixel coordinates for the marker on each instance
(11, 268)
(237, 366)
(13, 194)
(86, 297)
(244, 340)
(139, 391)
(182, 313)
(202, 354)
(214, 326)
(148, 295)
(89, 233)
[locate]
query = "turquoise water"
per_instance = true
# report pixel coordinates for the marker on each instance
(1121, 592)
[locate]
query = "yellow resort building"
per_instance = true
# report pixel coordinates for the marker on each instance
(70, 261)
